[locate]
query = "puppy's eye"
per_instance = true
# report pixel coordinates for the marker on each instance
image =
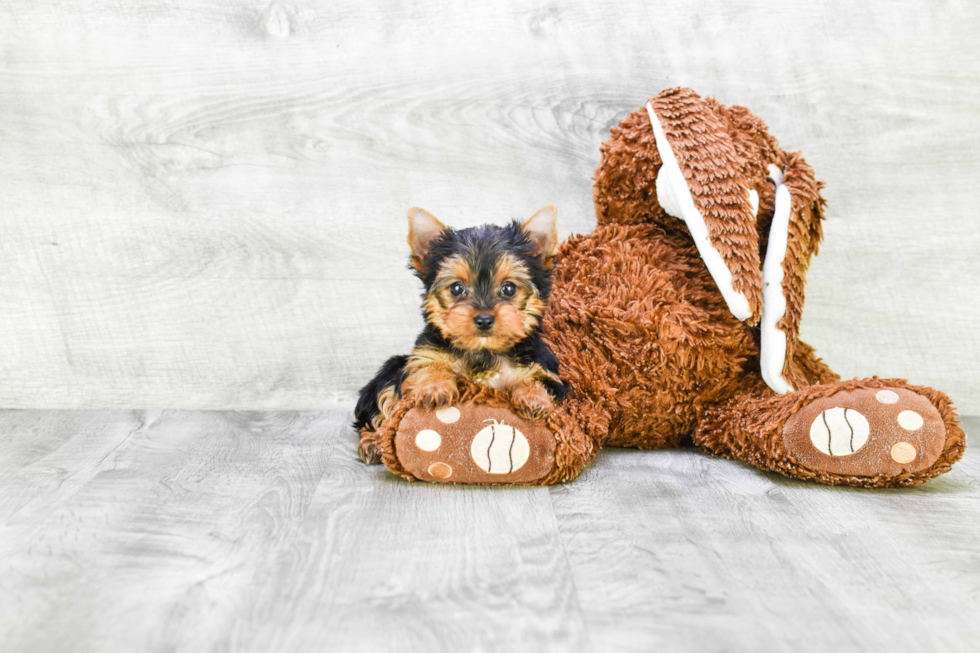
(457, 289)
(508, 289)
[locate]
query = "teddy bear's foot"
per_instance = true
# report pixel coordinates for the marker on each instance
(869, 433)
(473, 443)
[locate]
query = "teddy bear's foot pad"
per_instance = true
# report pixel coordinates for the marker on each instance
(472, 443)
(867, 432)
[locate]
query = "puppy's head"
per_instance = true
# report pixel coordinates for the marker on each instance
(487, 287)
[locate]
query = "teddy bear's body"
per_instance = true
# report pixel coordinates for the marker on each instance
(678, 318)
(666, 344)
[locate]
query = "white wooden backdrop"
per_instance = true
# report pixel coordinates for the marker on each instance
(202, 203)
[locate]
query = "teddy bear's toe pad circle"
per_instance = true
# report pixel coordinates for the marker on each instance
(910, 420)
(500, 449)
(839, 431)
(441, 471)
(903, 453)
(866, 432)
(886, 396)
(428, 440)
(448, 415)
(474, 443)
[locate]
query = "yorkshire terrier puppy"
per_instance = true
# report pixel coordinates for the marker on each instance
(486, 290)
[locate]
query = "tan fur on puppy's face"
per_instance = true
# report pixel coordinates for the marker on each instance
(440, 301)
(508, 328)
(515, 317)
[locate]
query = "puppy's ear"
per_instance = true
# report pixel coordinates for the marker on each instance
(542, 229)
(423, 228)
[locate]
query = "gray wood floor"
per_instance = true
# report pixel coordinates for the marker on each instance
(225, 531)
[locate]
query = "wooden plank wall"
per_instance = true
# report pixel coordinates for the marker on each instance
(202, 203)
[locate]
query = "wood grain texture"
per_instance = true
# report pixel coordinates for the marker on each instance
(202, 203)
(221, 531)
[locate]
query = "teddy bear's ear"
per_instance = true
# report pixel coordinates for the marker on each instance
(423, 228)
(542, 229)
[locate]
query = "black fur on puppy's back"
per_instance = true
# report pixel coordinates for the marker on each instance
(391, 374)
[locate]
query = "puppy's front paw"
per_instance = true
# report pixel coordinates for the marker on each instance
(532, 400)
(368, 448)
(436, 393)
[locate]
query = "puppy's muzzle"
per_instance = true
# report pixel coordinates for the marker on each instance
(483, 321)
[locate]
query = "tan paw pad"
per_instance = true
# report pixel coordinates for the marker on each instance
(441, 471)
(903, 453)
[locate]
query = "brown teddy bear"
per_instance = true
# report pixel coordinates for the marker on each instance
(678, 319)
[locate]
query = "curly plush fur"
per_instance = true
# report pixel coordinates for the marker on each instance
(650, 352)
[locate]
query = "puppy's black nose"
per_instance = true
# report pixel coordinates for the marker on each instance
(483, 321)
